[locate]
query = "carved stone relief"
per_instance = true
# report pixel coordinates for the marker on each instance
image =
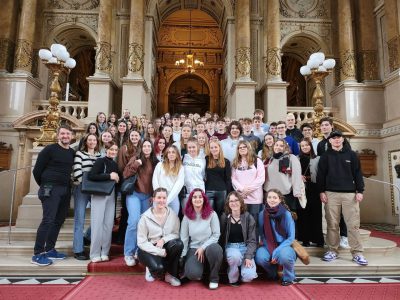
(273, 62)
(243, 62)
(73, 4)
(53, 20)
(368, 60)
(23, 55)
(394, 53)
(179, 36)
(135, 58)
(103, 57)
(347, 66)
(312, 9)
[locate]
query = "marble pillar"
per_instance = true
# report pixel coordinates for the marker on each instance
(26, 35)
(7, 35)
(242, 100)
(135, 95)
(274, 89)
(346, 43)
(392, 13)
(101, 85)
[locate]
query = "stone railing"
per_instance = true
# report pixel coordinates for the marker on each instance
(77, 109)
(302, 113)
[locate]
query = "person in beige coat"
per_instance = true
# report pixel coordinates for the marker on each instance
(158, 240)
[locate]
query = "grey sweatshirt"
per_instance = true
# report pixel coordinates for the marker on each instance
(202, 233)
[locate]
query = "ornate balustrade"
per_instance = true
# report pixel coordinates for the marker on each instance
(302, 113)
(77, 109)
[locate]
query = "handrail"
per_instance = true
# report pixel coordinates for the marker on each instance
(398, 191)
(12, 197)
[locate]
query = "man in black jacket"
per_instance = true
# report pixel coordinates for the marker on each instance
(52, 172)
(341, 186)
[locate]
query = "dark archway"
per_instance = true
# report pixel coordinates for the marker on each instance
(296, 91)
(188, 93)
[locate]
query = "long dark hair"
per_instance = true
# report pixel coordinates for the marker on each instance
(153, 159)
(206, 210)
(312, 152)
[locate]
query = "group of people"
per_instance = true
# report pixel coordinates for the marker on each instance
(206, 189)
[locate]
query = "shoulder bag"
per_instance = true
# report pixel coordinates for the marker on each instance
(301, 252)
(128, 185)
(97, 187)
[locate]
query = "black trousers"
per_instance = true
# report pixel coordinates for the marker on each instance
(55, 209)
(159, 265)
(123, 222)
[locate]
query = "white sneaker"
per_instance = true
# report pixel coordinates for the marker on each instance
(172, 280)
(344, 242)
(213, 285)
(130, 261)
(148, 276)
(96, 259)
(105, 258)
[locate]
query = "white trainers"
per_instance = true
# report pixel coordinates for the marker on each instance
(105, 258)
(172, 280)
(344, 242)
(148, 276)
(130, 261)
(96, 259)
(213, 285)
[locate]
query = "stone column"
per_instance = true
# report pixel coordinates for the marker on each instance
(101, 86)
(393, 33)
(274, 89)
(368, 53)
(7, 35)
(242, 101)
(135, 95)
(26, 35)
(346, 44)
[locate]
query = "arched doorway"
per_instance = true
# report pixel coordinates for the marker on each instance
(188, 93)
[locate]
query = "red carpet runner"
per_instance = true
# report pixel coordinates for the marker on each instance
(34, 291)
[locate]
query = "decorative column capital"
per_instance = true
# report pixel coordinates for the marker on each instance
(136, 58)
(103, 57)
(243, 64)
(273, 63)
(394, 53)
(23, 56)
(347, 65)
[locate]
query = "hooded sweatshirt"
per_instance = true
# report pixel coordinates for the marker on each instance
(150, 231)
(194, 172)
(173, 184)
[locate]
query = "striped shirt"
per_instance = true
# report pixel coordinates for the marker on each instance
(83, 162)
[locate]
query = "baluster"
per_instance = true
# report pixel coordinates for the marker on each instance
(82, 114)
(74, 113)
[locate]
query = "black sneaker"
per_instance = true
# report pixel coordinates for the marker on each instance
(235, 284)
(81, 256)
(86, 241)
(286, 283)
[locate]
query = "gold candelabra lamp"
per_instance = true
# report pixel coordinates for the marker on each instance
(318, 68)
(57, 60)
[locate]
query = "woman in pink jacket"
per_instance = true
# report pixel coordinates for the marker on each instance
(248, 177)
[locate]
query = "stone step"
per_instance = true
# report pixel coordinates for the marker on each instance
(27, 234)
(26, 247)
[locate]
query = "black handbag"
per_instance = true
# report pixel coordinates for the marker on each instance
(128, 185)
(97, 187)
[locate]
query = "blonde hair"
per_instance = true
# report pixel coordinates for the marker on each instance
(206, 144)
(267, 151)
(174, 171)
(221, 159)
(194, 141)
(182, 142)
(250, 157)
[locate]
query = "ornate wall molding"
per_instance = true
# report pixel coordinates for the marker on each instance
(136, 58)
(379, 133)
(312, 9)
(368, 61)
(394, 53)
(243, 63)
(6, 54)
(53, 20)
(347, 65)
(208, 37)
(23, 55)
(103, 57)
(73, 5)
(273, 63)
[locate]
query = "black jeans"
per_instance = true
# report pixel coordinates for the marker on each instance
(123, 222)
(217, 200)
(194, 268)
(55, 208)
(254, 210)
(159, 265)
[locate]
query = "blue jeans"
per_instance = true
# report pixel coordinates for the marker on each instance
(174, 205)
(286, 258)
(235, 257)
(80, 202)
(136, 203)
(217, 200)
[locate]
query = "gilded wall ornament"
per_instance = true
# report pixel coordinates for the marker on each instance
(273, 62)
(23, 55)
(103, 57)
(243, 63)
(73, 4)
(368, 64)
(6, 54)
(394, 53)
(348, 65)
(135, 58)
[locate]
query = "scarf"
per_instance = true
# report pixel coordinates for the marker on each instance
(277, 213)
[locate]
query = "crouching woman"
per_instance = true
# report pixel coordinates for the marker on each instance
(238, 238)
(277, 232)
(158, 240)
